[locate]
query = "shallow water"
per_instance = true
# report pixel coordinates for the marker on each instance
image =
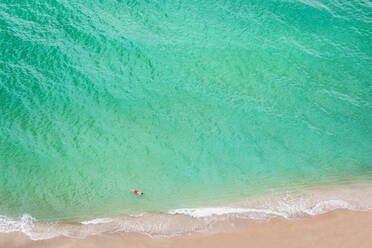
(194, 102)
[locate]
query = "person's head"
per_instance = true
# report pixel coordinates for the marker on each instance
(141, 193)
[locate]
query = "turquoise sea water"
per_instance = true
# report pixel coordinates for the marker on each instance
(193, 102)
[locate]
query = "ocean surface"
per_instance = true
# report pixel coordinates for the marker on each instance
(196, 103)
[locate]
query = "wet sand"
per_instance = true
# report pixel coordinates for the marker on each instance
(340, 228)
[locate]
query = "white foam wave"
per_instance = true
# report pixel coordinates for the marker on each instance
(24, 224)
(97, 221)
(208, 212)
(330, 205)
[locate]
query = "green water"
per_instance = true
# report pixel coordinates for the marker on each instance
(192, 102)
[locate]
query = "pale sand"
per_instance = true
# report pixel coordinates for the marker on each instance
(340, 228)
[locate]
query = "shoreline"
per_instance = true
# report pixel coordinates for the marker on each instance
(338, 228)
(291, 206)
(316, 211)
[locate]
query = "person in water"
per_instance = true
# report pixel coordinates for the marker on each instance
(136, 192)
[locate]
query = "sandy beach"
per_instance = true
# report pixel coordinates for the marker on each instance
(340, 228)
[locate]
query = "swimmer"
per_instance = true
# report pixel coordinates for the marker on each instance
(136, 192)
